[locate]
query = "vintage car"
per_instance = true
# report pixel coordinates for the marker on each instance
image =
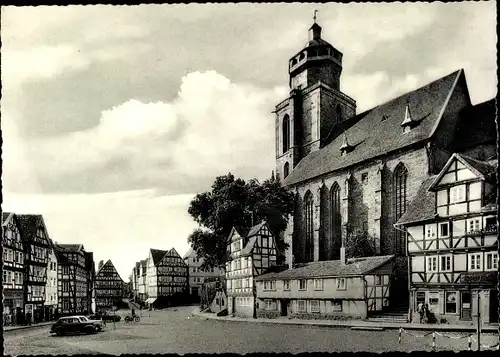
(75, 324)
(105, 317)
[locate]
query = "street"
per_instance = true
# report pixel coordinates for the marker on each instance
(174, 330)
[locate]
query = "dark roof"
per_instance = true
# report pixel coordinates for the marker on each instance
(355, 266)
(476, 126)
(136, 268)
(423, 205)
(28, 225)
(373, 137)
(255, 229)
(157, 255)
(487, 169)
(69, 247)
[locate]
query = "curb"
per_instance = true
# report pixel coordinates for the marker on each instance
(15, 328)
(353, 326)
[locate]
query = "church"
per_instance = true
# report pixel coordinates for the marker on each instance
(359, 171)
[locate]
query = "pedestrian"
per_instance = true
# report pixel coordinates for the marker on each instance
(420, 310)
(426, 313)
(133, 312)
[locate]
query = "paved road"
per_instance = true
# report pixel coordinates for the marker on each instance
(174, 331)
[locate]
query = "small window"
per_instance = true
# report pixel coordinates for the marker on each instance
(406, 129)
(491, 261)
(432, 264)
(444, 230)
(318, 284)
(445, 263)
(457, 194)
(341, 284)
(364, 178)
(378, 280)
(302, 284)
(451, 302)
(266, 285)
(314, 305)
(286, 285)
(475, 262)
(301, 306)
(273, 284)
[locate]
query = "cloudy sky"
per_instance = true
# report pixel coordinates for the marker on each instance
(114, 117)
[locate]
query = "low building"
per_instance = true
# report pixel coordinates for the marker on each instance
(213, 295)
(327, 289)
(197, 275)
(167, 278)
(36, 247)
(50, 304)
(452, 242)
(13, 271)
(108, 287)
(250, 254)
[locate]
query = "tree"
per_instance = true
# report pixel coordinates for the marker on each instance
(360, 244)
(232, 202)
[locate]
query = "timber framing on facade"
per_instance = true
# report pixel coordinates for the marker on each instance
(108, 287)
(453, 241)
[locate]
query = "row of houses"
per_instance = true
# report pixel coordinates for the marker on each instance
(451, 240)
(43, 279)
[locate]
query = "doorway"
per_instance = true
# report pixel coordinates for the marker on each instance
(493, 306)
(284, 307)
(465, 311)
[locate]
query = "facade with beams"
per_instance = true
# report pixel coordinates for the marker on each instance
(108, 287)
(359, 171)
(250, 255)
(453, 242)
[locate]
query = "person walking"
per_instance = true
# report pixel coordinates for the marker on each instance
(420, 310)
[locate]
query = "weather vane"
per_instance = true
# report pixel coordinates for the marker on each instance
(314, 17)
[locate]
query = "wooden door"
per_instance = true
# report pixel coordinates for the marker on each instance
(466, 306)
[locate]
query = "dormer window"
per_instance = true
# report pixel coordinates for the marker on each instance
(345, 148)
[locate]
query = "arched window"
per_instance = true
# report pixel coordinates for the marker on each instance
(286, 133)
(286, 170)
(336, 218)
(338, 112)
(399, 199)
(325, 246)
(309, 226)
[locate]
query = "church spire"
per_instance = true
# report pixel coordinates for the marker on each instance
(315, 30)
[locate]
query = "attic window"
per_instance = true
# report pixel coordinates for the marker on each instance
(408, 123)
(384, 117)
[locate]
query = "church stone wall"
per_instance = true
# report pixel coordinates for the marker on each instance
(368, 205)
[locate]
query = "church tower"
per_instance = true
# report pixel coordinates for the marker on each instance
(308, 117)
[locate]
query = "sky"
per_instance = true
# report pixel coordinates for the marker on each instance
(114, 117)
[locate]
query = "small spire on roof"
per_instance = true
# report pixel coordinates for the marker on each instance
(345, 145)
(314, 17)
(408, 120)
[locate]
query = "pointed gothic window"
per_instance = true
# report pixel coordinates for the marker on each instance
(309, 226)
(336, 217)
(286, 133)
(399, 199)
(286, 170)
(325, 248)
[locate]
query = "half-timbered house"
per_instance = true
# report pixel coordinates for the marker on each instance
(72, 279)
(36, 247)
(452, 242)
(167, 278)
(13, 270)
(142, 292)
(354, 288)
(250, 255)
(135, 281)
(108, 287)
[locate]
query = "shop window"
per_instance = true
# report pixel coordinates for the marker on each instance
(336, 305)
(314, 305)
(451, 302)
(301, 306)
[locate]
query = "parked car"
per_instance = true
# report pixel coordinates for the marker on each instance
(105, 317)
(74, 324)
(98, 322)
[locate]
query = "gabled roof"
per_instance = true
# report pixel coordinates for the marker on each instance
(189, 253)
(255, 229)
(28, 225)
(69, 247)
(331, 268)
(157, 254)
(109, 264)
(249, 238)
(481, 169)
(423, 205)
(371, 136)
(5, 217)
(248, 249)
